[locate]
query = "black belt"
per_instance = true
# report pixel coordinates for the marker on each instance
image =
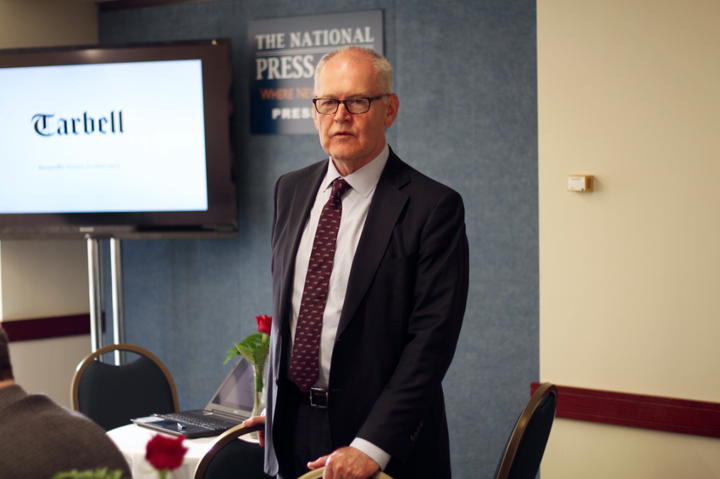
(318, 397)
(315, 397)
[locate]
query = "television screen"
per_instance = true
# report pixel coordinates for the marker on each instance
(129, 141)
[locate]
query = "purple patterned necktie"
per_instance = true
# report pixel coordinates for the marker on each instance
(304, 366)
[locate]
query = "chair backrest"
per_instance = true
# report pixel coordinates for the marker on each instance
(318, 473)
(111, 395)
(526, 445)
(230, 458)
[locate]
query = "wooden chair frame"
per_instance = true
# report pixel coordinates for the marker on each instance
(511, 450)
(318, 473)
(223, 440)
(118, 347)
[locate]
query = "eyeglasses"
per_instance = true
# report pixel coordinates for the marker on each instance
(329, 106)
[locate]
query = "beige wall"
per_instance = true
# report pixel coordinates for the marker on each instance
(630, 274)
(47, 366)
(40, 279)
(45, 278)
(41, 23)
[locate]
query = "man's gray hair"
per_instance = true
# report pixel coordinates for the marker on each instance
(382, 66)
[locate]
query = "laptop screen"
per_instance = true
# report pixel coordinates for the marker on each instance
(238, 389)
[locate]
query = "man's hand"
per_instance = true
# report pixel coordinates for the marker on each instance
(346, 463)
(254, 421)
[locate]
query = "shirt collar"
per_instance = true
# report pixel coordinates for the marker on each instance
(364, 180)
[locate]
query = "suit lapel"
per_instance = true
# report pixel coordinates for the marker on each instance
(302, 201)
(387, 205)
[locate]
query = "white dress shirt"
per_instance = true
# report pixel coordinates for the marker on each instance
(355, 206)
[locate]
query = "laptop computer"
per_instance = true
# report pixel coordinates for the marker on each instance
(231, 404)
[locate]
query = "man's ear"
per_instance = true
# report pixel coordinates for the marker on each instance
(393, 105)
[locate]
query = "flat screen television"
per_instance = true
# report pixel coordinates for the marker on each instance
(117, 141)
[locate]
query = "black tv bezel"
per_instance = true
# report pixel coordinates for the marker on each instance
(221, 217)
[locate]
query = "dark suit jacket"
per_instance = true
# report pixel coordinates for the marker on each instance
(399, 325)
(39, 438)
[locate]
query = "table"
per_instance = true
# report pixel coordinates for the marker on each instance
(132, 439)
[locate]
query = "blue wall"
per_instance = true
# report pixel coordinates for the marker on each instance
(466, 76)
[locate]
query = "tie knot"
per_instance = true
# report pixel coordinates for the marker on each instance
(339, 187)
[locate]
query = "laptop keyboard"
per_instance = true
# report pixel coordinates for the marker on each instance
(200, 419)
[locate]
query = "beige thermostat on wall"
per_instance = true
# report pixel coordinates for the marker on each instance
(580, 183)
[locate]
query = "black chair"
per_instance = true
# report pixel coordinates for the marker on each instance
(526, 445)
(317, 474)
(231, 458)
(111, 395)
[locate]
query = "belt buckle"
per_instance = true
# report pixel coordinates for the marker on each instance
(318, 398)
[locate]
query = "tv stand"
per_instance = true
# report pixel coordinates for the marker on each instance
(95, 294)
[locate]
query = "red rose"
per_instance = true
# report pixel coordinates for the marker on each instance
(165, 453)
(264, 323)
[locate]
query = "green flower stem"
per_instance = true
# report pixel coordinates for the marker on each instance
(254, 349)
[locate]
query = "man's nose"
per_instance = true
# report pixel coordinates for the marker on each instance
(342, 113)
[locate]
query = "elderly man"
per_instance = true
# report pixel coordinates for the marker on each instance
(370, 281)
(41, 438)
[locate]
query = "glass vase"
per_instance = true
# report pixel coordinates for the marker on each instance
(259, 397)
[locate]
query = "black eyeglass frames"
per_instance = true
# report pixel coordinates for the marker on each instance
(329, 106)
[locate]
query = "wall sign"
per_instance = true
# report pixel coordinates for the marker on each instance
(282, 64)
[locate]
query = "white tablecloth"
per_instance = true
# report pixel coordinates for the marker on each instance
(132, 439)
